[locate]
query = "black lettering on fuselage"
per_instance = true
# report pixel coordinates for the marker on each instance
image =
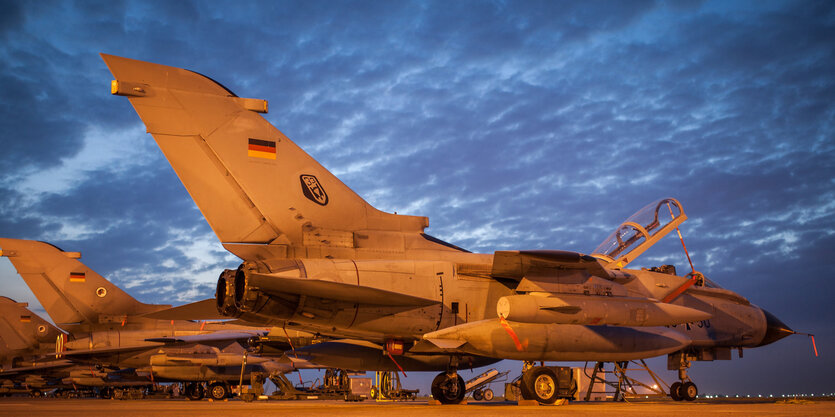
(704, 324)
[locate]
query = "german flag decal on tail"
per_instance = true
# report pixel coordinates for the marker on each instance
(78, 277)
(26, 319)
(261, 148)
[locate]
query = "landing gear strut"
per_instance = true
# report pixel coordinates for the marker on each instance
(685, 389)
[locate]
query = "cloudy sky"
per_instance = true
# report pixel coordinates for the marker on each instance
(511, 125)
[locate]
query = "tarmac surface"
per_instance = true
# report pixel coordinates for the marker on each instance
(31, 407)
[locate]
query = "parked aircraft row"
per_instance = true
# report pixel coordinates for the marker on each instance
(375, 289)
(109, 339)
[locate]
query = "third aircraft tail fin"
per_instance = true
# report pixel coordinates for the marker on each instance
(23, 332)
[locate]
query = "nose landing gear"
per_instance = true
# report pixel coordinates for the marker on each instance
(685, 390)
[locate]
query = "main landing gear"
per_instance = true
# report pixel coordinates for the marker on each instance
(448, 387)
(685, 389)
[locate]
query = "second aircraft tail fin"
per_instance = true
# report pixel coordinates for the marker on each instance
(70, 292)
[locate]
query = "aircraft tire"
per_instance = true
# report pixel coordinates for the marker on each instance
(448, 391)
(195, 391)
(540, 384)
(36, 393)
(218, 391)
(689, 391)
(675, 391)
(478, 395)
(488, 395)
(344, 380)
(106, 393)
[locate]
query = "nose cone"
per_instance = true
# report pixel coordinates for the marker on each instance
(774, 329)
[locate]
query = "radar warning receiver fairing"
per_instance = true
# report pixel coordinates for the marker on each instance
(316, 254)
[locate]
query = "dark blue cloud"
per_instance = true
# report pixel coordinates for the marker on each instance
(12, 18)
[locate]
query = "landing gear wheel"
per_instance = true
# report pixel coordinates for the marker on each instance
(106, 393)
(448, 389)
(374, 393)
(36, 393)
(689, 391)
(675, 391)
(195, 392)
(478, 395)
(488, 395)
(218, 391)
(342, 377)
(540, 384)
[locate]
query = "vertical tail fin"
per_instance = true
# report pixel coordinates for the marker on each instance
(252, 183)
(23, 333)
(71, 292)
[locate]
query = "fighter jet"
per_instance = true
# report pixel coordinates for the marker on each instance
(109, 328)
(316, 254)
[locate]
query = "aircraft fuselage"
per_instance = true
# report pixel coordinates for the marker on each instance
(462, 293)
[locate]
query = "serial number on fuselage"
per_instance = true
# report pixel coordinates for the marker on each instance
(703, 324)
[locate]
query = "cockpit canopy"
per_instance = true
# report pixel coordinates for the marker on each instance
(640, 231)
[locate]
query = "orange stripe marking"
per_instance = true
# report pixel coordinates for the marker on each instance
(512, 334)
